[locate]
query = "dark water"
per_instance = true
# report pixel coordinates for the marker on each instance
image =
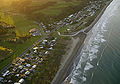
(100, 58)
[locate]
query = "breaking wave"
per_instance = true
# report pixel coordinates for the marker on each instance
(96, 38)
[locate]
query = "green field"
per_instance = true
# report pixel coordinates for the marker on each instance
(57, 9)
(23, 25)
(45, 10)
(17, 48)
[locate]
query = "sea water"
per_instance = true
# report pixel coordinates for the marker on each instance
(99, 61)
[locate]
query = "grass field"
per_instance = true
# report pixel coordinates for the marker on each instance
(17, 48)
(57, 9)
(23, 25)
(45, 10)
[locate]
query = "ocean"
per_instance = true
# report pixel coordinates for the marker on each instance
(99, 60)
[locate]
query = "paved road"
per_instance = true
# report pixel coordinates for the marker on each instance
(72, 35)
(7, 66)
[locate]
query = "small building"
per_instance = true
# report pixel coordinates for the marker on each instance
(35, 32)
(21, 80)
(28, 65)
(16, 83)
(17, 75)
(41, 59)
(20, 67)
(34, 66)
(35, 48)
(41, 47)
(46, 52)
(27, 73)
(51, 48)
(5, 73)
(44, 41)
(35, 51)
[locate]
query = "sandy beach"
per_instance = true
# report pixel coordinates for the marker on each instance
(77, 43)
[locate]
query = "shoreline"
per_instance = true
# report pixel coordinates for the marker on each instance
(67, 66)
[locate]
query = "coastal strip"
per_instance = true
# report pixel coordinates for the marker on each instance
(65, 70)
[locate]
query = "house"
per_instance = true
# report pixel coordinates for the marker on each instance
(35, 32)
(35, 48)
(44, 41)
(20, 67)
(21, 80)
(41, 47)
(34, 66)
(28, 65)
(5, 73)
(46, 52)
(27, 73)
(17, 75)
(51, 48)
(16, 83)
(35, 51)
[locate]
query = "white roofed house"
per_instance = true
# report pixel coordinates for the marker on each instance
(44, 41)
(21, 80)
(5, 73)
(51, 48)
(34, 66)
(35, 48)
(27, 73)
(46, 52)
(28, 65)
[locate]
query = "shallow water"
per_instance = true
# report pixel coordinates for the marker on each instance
(100, 58)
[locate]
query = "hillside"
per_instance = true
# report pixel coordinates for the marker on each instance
(48, 11)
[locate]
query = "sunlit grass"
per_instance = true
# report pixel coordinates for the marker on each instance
(23, 25)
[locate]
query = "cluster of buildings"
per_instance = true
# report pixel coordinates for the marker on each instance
(23, 66)
(35, 32)
(88, 11)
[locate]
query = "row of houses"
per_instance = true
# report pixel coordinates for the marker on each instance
(87, 11)
(22, 67)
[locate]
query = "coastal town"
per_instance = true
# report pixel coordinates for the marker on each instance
(75, 20)
(23, 66)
